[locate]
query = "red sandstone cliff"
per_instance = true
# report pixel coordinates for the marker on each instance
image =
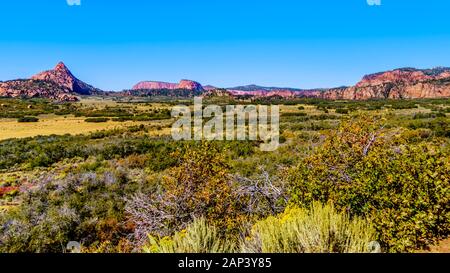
(183, 84)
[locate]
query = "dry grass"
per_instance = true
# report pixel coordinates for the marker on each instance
(58, 125)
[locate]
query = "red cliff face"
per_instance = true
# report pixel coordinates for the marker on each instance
(155, 85)
(407, 83)
(395, 76)
(190, 85)
(183, 84)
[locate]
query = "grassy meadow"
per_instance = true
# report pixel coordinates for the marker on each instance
(67, 123)
(106, 173)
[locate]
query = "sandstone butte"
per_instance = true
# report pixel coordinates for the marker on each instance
(183, 84)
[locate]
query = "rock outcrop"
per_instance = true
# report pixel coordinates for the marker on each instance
(62, 76)
(406, 83)
(57, 84)
(36, 89)
(155, 85)
(151, 85)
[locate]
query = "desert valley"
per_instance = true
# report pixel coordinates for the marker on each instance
(367, 163)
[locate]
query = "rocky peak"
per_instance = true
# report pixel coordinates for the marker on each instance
(61, 67)
(62, 76)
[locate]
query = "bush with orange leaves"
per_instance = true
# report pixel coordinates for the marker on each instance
(200, 186)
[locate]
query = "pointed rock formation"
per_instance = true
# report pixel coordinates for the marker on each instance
(56, 84)
(62, 76)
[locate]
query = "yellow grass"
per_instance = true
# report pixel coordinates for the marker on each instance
(58, 125)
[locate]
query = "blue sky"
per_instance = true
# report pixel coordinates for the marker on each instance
(315, 43)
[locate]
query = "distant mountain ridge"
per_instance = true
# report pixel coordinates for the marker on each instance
(403, 83)
(254, 87)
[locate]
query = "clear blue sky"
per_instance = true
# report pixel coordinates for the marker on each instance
(113, 44)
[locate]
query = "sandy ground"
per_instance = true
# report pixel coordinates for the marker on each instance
(442, 247)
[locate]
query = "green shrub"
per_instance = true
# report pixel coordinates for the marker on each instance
(321, 229)
(294, 114)
(440, 126)
(368, 171)
(429, 115)
(342, 111)
(27, 119)
(96, 120)
(85, 207)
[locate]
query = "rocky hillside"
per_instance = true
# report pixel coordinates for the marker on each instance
(56, 84)
(35, 89)
(405, 83)
(62, 76)
(155, 85)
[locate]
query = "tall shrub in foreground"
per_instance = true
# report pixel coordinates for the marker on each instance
(200, 187)
(198, 237)
(369, 171)
(320, 229)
